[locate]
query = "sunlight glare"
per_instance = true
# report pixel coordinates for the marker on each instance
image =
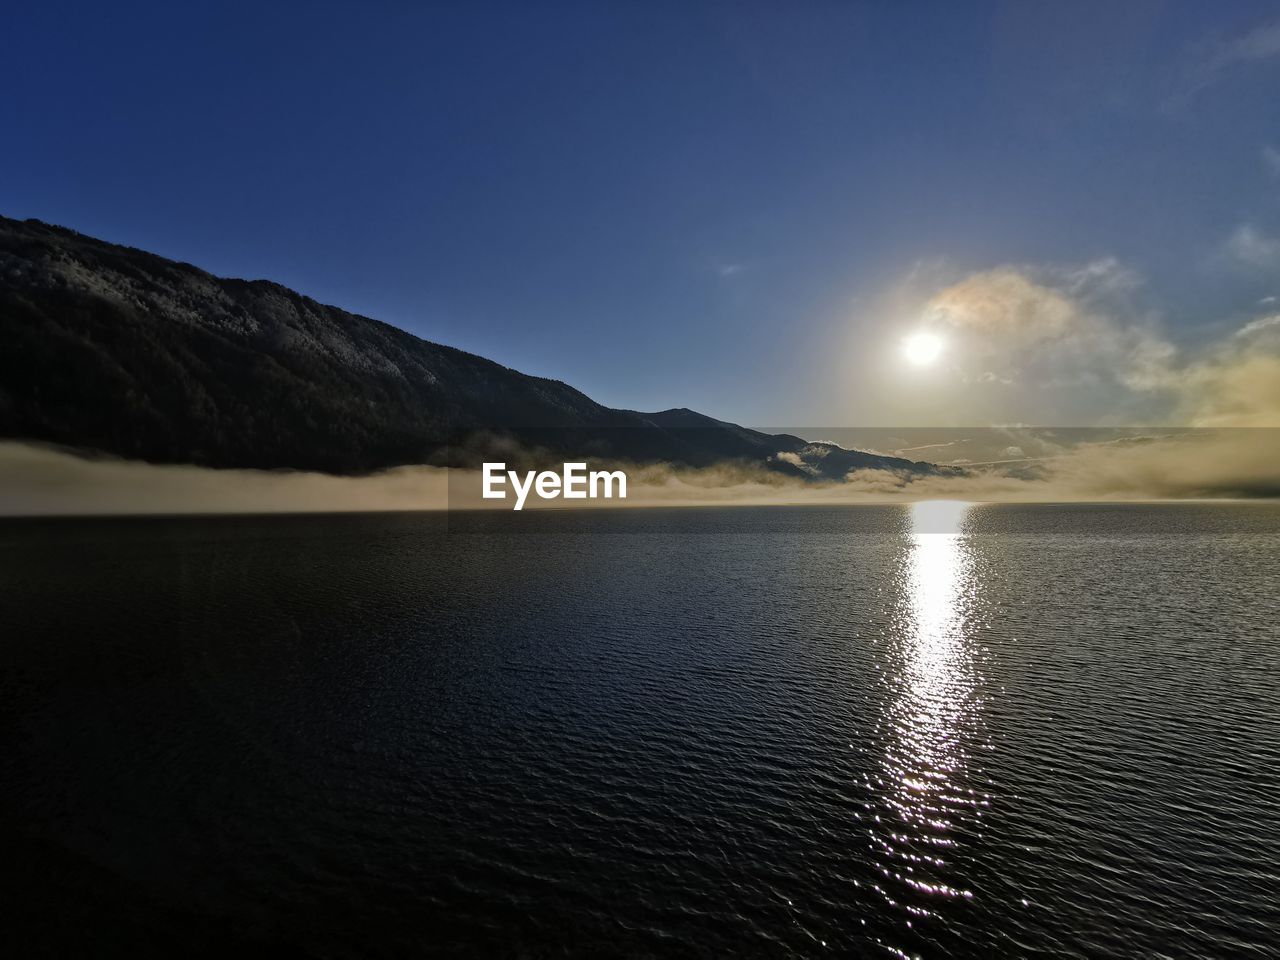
(922, 349)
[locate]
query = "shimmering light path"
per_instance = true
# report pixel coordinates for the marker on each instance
(928, 798)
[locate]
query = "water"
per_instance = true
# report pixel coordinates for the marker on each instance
(881, 731)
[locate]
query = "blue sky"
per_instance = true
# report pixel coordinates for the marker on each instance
(727, 206)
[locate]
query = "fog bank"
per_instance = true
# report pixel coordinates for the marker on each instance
(38, 481)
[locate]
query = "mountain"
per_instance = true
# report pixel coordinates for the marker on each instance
(112, 350)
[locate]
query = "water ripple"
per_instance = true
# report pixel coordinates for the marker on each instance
(958, 731)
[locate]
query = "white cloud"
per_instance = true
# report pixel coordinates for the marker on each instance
(1076, 336)
(1271, 160)
(1220, 57)
(1252, 247)
(1050, 327)
(1261, 43)
(1226, 55)
(1262, 324)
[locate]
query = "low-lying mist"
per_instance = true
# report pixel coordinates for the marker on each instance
(37, 480)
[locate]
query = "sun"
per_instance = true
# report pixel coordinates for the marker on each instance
(922, 349)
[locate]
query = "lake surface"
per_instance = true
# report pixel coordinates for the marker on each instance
(940, 731)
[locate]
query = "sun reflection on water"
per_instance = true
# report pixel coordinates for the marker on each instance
(925, 798)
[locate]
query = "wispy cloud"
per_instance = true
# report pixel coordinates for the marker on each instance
(1252, 247)
(1223, 56)
(1271, 160)
(1260, 43)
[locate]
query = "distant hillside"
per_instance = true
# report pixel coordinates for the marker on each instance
(113, 350)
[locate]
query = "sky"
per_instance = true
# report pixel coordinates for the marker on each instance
(743, 208)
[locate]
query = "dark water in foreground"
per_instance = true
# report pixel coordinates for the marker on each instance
(775, 732)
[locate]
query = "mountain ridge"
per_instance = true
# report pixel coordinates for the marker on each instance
(121, 351)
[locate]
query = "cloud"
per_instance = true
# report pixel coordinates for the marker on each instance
(1044, 328)
(39, 480)
(1227, 463)
(1193, 464)
(1261, 43)
(1224, 56)
(1260, 330)
(1201, 463)
(1252, 247)
(795, 460)
(1079, 331)
(1271, 160)
(1235, 382)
